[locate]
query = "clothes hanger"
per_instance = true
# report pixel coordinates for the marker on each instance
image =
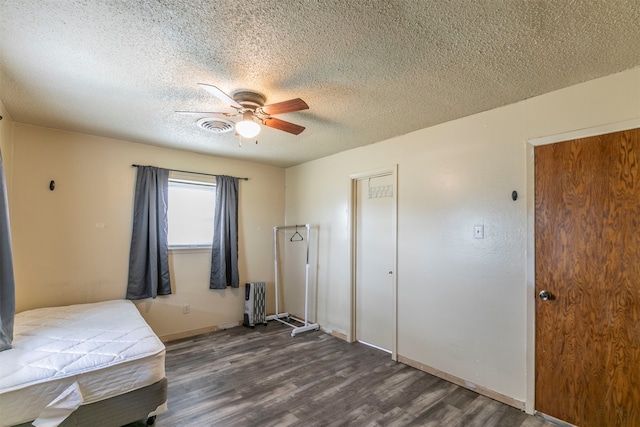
(294, 236)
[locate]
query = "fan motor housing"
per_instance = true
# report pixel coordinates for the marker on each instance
(249, 99)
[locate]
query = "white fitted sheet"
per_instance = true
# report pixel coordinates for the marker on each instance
(107, 348)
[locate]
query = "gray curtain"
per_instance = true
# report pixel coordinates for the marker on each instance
(224, 253)
(7, 284)
(149, 256)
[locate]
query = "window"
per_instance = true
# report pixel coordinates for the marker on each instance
(190, 213)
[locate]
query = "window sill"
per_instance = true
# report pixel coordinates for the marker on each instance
(189, 249)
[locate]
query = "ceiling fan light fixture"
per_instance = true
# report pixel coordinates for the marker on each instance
(254, 113)
(247, 128)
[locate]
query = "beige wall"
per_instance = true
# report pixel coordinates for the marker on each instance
(71, 245)
(6, 145)
(464, 304)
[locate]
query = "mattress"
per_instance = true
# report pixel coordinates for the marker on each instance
(90, 352)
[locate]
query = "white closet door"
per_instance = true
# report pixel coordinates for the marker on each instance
(374, 261)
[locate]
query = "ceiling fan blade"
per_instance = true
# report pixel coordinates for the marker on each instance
(284, 107)
(200, 113)
(282, 125)
(220, 95)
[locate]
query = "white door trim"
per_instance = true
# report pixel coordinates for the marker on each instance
(353, 178)
(531, 247)
(586, 132)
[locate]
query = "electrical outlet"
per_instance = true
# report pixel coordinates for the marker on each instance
(478, 232)
(185, 309)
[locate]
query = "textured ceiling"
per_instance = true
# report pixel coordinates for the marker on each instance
(369, 70)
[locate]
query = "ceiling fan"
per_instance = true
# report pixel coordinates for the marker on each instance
(250, 105)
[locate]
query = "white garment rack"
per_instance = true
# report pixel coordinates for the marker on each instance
(280, 316)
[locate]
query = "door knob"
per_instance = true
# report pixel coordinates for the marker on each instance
(545, 295)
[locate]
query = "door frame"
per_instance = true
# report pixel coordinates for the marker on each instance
(529, 404)
(353, 179)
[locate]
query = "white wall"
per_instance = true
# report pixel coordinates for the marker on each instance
(464, 305)
(71, 245)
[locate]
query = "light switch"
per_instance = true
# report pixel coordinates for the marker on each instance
(478, 232)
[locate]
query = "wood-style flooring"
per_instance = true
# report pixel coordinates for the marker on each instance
(265, 377)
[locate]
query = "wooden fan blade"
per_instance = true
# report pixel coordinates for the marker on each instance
(220, 95)
(284, 107)
(282, 125)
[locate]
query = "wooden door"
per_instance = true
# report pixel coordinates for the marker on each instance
(587, 218)
(374, 262)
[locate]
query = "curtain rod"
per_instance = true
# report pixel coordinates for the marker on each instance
(197, 173)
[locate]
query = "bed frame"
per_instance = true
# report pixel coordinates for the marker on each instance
(119, 410)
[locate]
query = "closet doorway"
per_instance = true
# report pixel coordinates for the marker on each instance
(374, 259)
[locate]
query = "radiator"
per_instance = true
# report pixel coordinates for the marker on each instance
(255, 304)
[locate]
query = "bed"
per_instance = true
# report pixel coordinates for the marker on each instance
(96, 364)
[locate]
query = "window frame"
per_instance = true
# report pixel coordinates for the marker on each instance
(191, 181)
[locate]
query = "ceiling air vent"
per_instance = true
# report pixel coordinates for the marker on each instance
(215, 125)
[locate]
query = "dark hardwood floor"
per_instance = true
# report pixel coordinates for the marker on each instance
(264, 377)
